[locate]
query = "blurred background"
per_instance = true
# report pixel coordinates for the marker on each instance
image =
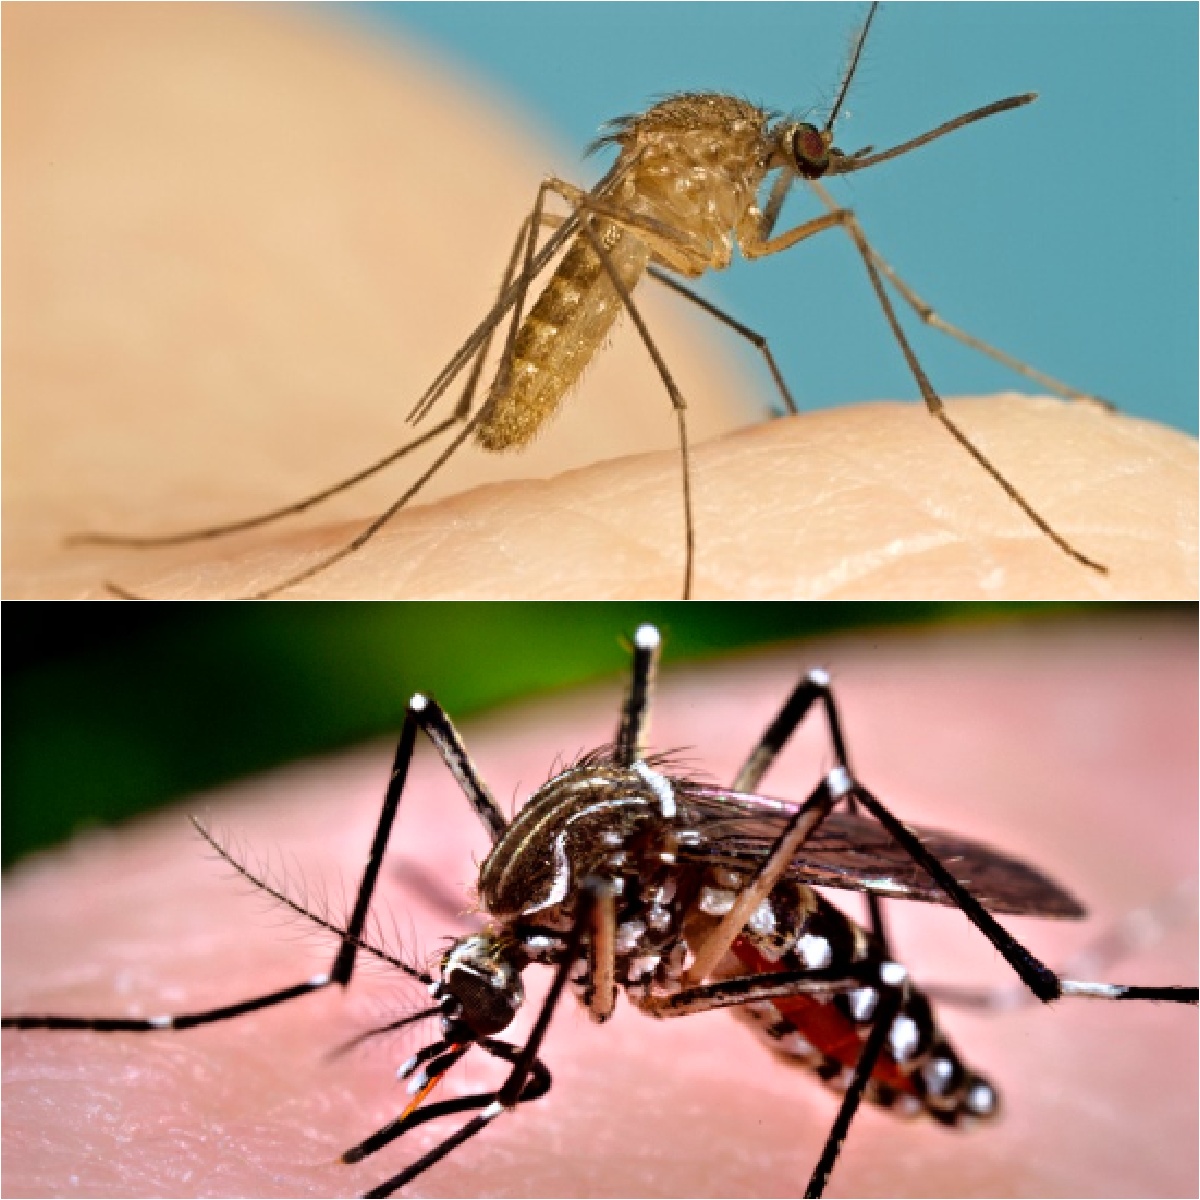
(112, 710)
(1064, 233)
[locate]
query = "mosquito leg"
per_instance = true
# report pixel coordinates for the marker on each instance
(535, 1088)
(630, 741)
(512, 297)
(889, 1005)
(427, 715)
(462, 410)
(887, 977)
(476, 348)
(175, 1021)
(813, 687)
(147, 541)
(710, 951)
(601, 995)
(747, 989)
(927, 314)
(1135, 932)
(424, 714)
(1038, 977)
(755, 338)
(756, 245)
(934, 403)
(677, 247)
(524, 1062)
(477, 343)
(676, 396)
(370, 530)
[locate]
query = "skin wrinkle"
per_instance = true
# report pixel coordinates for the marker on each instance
(918, 498)
(826, 587)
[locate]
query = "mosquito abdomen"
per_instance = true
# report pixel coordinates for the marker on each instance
(558, 338)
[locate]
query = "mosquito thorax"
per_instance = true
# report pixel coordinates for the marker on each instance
(481, 972)
(593, 819)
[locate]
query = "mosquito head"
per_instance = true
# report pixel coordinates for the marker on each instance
(811, 150)
(480, 988)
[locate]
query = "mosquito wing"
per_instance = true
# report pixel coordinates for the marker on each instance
(856, 853)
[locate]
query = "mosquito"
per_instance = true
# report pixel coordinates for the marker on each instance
(690, 180)
(623, 875)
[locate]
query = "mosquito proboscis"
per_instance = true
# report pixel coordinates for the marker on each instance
(622, 875)
(695, 174)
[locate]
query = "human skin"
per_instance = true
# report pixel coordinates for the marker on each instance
(1072, 746)
(239, 245)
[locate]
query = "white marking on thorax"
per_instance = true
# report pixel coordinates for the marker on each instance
(660, 785)
(562, 864)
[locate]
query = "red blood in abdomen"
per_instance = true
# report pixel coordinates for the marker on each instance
(822, 1025)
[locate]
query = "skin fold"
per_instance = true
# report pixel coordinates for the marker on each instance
(237, 248)
(1071, 745)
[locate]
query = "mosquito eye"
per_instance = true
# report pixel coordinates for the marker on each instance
(810, 150)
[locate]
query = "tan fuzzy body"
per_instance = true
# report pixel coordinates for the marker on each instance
(697, 163)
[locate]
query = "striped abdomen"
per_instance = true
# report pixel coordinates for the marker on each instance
(918, 1070)
(557, 339)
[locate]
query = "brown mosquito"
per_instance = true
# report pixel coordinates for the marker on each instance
(690, 180)
(623, 875)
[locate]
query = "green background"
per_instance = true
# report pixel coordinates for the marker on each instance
(111, 710)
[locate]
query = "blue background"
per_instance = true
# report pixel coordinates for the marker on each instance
(1064, 232)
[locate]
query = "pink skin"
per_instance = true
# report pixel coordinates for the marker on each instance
(1074, 746)
(241, 244)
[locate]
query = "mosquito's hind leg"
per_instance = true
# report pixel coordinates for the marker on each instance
(475, 350)
(931, 318)
(1133, 933)
(1038, 977)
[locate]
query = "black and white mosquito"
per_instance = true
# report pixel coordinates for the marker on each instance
(622, 874)
(696, 174)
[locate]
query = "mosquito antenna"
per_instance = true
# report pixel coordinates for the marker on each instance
(298, 908)
(856, 162)
(855, 56)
